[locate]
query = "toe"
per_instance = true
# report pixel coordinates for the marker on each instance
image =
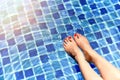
(64, 44)
(65, 40)
(70, 38)
(75, 36)
(79, 35)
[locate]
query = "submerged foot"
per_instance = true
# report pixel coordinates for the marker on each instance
(83, 43)
(71, 47)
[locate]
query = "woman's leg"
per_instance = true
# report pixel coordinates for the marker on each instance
(71, 48)
(107, 70)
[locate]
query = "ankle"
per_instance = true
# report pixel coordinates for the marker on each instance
(79, 57)
(94, 56)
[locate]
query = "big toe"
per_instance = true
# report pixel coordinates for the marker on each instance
(77, 36)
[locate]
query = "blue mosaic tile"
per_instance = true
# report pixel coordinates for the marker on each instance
(6, 60)
(76, 68)
(50, 47)
(93, 6)
(1, 71)
(83, 2)
(44, 58)
(4, 52)
(19, 75)
(98, 35)
(40, 77)
(21, 47)
(71, 12)
(33, 52)
(105, 50)
(109, 40)
(58, 73)
(91, 21)
(28, 72)
(103, 11)
(117, 6)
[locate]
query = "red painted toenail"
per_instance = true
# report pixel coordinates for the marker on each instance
(75, 34)
(69, 37)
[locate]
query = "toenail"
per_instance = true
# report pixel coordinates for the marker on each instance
(75, 34)
(69, 37)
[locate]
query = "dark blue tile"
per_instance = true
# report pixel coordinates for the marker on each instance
(103, 11)
(28, 72)
(44, 58)
(53, 31)
(118, 45)
(61, 7)
(2, 36)
(42, 25)
(21, 47)
(69, 27)
(28, 37)
(105, 50)
(11, 42)
(98, 35)
(80, 31)
(81, 16)
(17, 32)
(71, 12)
(39, 42)
(58, 73)
(109, 40)
(65, 0)
(56, 15)
(92, 65)
(94, 44)
(93, 6)
(6, 60)
(76, 69)
(118, 28)
(63, 36)
(83, 2)
(91, 21)
(38, 12)
(43, 4)
(19, 75)
(40, 77)
(4, 52)
(1, 71)
(117, 6)
(33, 52)
(50, 47)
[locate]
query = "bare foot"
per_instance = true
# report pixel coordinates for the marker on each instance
(71, 48)
(83, 43)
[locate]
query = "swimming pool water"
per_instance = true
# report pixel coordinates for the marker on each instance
(32, 32)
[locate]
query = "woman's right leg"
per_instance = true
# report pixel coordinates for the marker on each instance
(107, 70)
